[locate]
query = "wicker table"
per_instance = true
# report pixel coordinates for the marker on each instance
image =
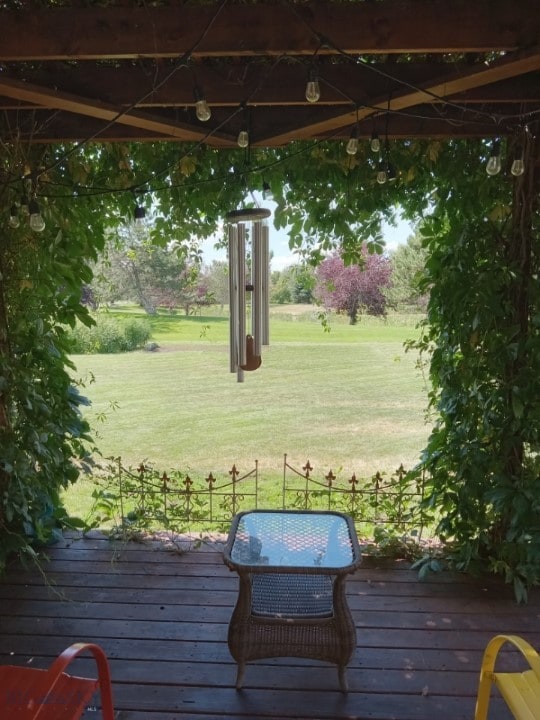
(293, 567)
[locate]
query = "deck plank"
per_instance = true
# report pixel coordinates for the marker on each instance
(162, 617)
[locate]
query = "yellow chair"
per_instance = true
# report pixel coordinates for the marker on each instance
(520, 690)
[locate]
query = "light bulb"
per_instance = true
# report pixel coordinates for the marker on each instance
(243, 138)
(518, 166)
(352, 145)
(266, 191)
(375, 143)
(313, 90)
(202, 111)
(37, 223)
(493, 166)
(139, 216)
(381, 174)
(14, 220)
(391, 173)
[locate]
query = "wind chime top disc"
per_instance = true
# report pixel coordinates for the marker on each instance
(248, 215)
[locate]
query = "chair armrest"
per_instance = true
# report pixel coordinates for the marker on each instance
(495, 645)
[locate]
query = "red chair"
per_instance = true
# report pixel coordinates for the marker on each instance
(28, 693)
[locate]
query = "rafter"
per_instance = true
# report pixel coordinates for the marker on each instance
(134, 69)
(82, 106)
(283, 87)
(445, 87)
(393, 26)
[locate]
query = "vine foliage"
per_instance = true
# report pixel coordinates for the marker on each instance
(481, 336)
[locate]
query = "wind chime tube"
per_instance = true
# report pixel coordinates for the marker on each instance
(233, 297)
(265, 285)
(256, 296)
(242, 347)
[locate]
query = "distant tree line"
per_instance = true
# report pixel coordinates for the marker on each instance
(133, 270)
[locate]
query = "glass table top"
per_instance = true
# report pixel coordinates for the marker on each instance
(293, 539)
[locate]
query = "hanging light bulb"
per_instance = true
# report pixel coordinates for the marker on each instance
(139, 222)
(202, 111)
(381, 173)
(352, 145)
(313, 90)
(139, 215)
(14, 220)
(37, 223)
(375, 143)
(243, 138)
(518, 165)
(266, 191)
(493, 166)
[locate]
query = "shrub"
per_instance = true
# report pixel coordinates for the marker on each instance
(109, 335)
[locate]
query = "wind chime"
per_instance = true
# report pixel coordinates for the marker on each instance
(246, 228)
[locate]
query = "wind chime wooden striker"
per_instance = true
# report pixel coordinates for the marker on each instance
(248, 229)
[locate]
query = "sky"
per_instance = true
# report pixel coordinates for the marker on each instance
(282, 255)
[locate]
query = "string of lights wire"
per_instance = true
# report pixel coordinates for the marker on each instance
(203, 112)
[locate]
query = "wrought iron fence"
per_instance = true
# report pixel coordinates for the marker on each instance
(147, 499)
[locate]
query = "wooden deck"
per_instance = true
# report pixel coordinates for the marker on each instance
(162, 619)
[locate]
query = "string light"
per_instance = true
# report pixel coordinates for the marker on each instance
(139, 222)
(493, 166)
(381, 173)
(375, 143)
(352, 145)
(243, 138)
(37, 223)
(518, 165)
(313, 90)
(202, 110)
(266, 191)
(14, 220)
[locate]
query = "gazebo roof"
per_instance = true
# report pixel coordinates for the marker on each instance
(400, 68)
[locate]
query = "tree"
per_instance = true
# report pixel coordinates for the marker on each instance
(353, 289)
(408, 263)
(136, 270)
(216, 278)
(294, 284)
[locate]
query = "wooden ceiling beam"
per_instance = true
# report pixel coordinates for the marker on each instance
(43, 126)
(52, 99)
(393, 26)
(341, 85)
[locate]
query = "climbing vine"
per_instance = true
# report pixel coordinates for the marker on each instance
(481, 337)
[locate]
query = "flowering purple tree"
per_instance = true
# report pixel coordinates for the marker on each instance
(352, 289)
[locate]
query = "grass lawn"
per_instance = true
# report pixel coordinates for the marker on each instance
(351, 399)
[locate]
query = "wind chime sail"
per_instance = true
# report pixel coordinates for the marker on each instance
(248, 279)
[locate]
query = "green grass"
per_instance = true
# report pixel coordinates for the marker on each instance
(350, 399)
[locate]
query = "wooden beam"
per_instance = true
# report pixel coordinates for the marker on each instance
(228, 85)
(513, 66)
(42, 126)
(47, 98)
(392, 26)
